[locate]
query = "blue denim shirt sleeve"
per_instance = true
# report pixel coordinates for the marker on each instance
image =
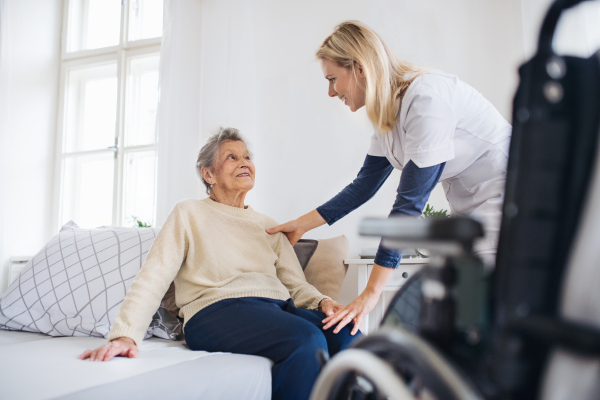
(372, 175)
(415, 187)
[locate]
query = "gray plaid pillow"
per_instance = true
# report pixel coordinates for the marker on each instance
(75, 285)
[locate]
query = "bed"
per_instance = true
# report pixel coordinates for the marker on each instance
(64, 300)
(35, 366)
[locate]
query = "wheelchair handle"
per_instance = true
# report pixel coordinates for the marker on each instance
(443, 236)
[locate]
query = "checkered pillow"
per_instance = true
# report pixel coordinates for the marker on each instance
(75, 285)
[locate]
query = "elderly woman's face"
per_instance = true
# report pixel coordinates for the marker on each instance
(233, 169)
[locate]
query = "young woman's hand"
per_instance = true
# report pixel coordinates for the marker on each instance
(361, 306)
(354, 312)
(329, 307)
(291, 229)
(122, 346)
(296, 228)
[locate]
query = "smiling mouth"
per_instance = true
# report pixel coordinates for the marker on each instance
(244, 174)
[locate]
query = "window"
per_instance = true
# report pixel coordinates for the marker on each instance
(106, 124)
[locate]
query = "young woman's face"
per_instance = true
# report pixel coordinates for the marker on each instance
(349, 87)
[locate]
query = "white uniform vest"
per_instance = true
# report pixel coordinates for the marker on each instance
(442, 119)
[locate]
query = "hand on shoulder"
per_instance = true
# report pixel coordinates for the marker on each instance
(291, 229)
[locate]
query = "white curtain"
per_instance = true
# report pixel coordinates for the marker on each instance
(29, 74)
(179, 105)
(207, 80)
(251, 65)
(4, 261)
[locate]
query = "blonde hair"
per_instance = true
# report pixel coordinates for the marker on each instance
(387, 77)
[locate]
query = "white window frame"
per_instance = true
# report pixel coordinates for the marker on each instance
(121, 53)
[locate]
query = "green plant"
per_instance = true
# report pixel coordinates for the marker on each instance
(430, 212)
(138, 223)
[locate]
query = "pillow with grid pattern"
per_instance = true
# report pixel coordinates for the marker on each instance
(75, 285)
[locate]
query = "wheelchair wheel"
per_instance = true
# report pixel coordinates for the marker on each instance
(392, 364)
(359, 374)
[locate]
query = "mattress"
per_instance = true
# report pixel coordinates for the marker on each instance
(37, 367)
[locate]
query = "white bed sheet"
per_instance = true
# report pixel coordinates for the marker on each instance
(38, 367)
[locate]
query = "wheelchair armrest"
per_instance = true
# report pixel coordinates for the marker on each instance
(442, 236)
(575, 336)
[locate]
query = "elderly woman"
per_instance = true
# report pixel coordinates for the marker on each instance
(239, 289)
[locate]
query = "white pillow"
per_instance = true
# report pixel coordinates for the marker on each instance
(75, 285)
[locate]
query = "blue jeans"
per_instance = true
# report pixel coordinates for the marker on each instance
(276, 329)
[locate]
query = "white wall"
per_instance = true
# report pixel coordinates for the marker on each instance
(268, 84)
(577, 32)
(533, 12)
(307, 145)
(260, 75)
(29, 70)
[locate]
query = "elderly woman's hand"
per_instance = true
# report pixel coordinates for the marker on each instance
(329, 307)
(122, 346)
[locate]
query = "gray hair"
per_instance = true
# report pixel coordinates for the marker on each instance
(208, 152)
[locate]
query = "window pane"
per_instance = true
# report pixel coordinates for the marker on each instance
(142, 99)
(93, 24)
(145, 19)
(139, 188)
(87, 190)
(91, 108)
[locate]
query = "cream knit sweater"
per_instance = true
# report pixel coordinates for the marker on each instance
(213, 252)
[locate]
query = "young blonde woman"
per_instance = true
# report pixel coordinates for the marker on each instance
(431, 126)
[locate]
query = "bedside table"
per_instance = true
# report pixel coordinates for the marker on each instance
(407, 267)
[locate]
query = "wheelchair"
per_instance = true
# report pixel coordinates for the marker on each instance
(529, 329)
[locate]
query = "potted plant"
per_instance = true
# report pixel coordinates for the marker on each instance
(430, 212)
